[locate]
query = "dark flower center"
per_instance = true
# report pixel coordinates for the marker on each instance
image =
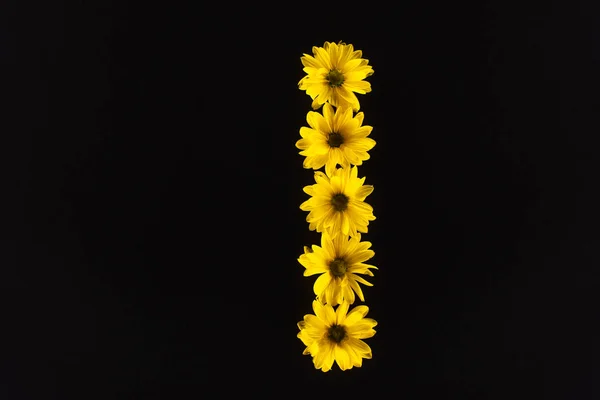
(339, 202)
(335, 139)
(335, 78)
(336, 333)
(338, 267)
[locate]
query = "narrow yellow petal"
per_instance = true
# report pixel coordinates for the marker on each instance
(349, 294)
(356, 314)
(359, 118)
(362, 193)
(360, 347)
(322, 57)
(310, 61)
(316, 269)
(333, 54)
(329, 315)
(357, 289)
(330, 294)
(340, 313)
(357, 86)
(328, 245)
(328, 115)
(360, 256)
(359, 279)
(345, 224)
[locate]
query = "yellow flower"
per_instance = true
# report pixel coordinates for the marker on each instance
(336, 335)
(334, 138)
(338, 261)
(335, 73)
(337, 204)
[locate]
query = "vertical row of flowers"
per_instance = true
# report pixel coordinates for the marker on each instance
(337, 141)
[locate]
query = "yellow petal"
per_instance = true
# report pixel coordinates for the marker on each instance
(328, 357)
(363, 192)
(330, 166)
(312, 321)
(329, 315)
(359, 256)
(361, 207)
(349, 295)
(362, 333)
(340, 313)
(322, 57)
(321, 178)
(356, 314)
(316, 269)
(328, 116)
(342, 358)
(310, 61)
(328, 246)
(305, 261)
(345, 224)
(316, 103)
(360, 347)
(322, 283)
(355, 357)
(333, 54)
(359, 279)
(348, 97)
(359, 118)
(352, 65)
(357, 86)
(357, 289)
(350, 155)
(330, 294)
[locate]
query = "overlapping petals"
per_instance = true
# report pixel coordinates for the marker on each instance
(334, 286)
(350, 70)
(346, 349)
(334, 138)
(324, 216)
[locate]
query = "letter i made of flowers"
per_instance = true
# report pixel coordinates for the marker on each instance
(334, 144)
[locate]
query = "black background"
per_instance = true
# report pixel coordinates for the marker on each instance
(155, 225)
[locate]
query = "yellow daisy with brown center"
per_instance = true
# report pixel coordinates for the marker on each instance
(338, 261)
(337, 204)
(334, 138)
(335, 73)
(336, 335)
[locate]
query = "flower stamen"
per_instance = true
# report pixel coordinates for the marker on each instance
(339, 202)
(336, 333)
(338, 267)
(335, 78)
(335, 139)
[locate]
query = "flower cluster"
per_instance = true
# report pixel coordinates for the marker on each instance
(337, 141)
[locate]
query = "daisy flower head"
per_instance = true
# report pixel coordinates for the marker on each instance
(336, 335)
(335, 72)
(337, 203)
(338, 260)
(334, 138)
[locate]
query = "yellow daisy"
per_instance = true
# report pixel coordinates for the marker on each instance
(334, 138)
(336, 335)
(335, 73)
(337, 204)
(338, 261)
